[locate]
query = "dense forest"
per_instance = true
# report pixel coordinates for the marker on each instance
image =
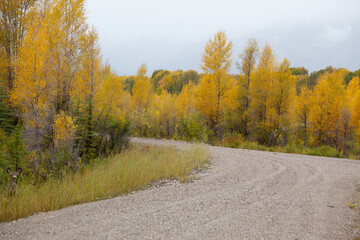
(62, 108)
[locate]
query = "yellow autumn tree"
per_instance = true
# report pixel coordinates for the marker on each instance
(325, 110)
(140, 101)
(247, 67)
(213, 87)
(3, 69)
(186, 115)
(86, 88)
(64, 129)
(260, 90)
(165, 114)
(33, 92)
(355, 106)
(110, 102)
(88, 79)
(282, 93)
(230, 104)
(185, 102)
(346, 128)
(67, 26)
(14, 23)
(301, 112)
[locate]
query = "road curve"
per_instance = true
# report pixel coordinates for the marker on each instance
(245, 195)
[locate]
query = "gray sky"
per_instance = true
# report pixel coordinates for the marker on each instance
(171, 34)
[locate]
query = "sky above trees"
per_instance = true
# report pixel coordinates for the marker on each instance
(172, 34)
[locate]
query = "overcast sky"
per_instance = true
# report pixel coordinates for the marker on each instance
(171, 34)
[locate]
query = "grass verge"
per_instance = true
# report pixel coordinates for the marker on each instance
(324, 151)
(133, 169)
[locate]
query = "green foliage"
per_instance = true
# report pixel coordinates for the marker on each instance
(89, 141)
(314, 76)
(157, 76)
(350, 76)
(16, 150)
(3, 159)
(6, 116)
(238, 141)
(233, 140)
(325, 151)
(12, 153)
(303, 81)
(129, 83)
(190, 76)
(173, 81)
(192, 128)
(297, 71)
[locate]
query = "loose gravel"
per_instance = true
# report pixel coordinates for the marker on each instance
(245, 195)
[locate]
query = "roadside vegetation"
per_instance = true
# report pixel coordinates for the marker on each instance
(133, 169)
(290, 147)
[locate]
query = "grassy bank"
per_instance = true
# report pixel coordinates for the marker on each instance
(130, 170)
(291, 147)
(324, 151)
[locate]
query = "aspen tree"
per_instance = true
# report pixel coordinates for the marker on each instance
(67, 23)
(326, 108)
(13, 25)
(216, 64)
(259, 89)
(282, 93)
(141, 100)
(302, 108)
(247, 66)
(33, 92)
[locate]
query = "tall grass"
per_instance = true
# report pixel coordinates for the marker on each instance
(130, 170)
(292, 147)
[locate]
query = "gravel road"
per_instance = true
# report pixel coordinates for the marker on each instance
(245, 195)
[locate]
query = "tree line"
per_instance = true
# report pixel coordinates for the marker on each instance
(268, 102)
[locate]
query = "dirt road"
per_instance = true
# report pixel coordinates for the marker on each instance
(245, 195)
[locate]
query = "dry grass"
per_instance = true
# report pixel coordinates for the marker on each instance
(130, 170)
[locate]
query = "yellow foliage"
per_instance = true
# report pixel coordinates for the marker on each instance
(216, 58)
(64, 128)
(66, 32)
(165, 112)
(141, 100)
(33, 90)
(346, 124)
(282, 93)
(355, 119)
(212, 91)
(326, 108)
(352, 88)
(185, 102)
(230, 98)
(206, 97)
(214, 97)
(3, 67)
(111, 98)
(88, 80)
(141, 94)
(302, 108)
(260, 87)
(142, 70)
(13, 25)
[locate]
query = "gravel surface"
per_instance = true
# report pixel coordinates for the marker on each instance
(245, 195)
